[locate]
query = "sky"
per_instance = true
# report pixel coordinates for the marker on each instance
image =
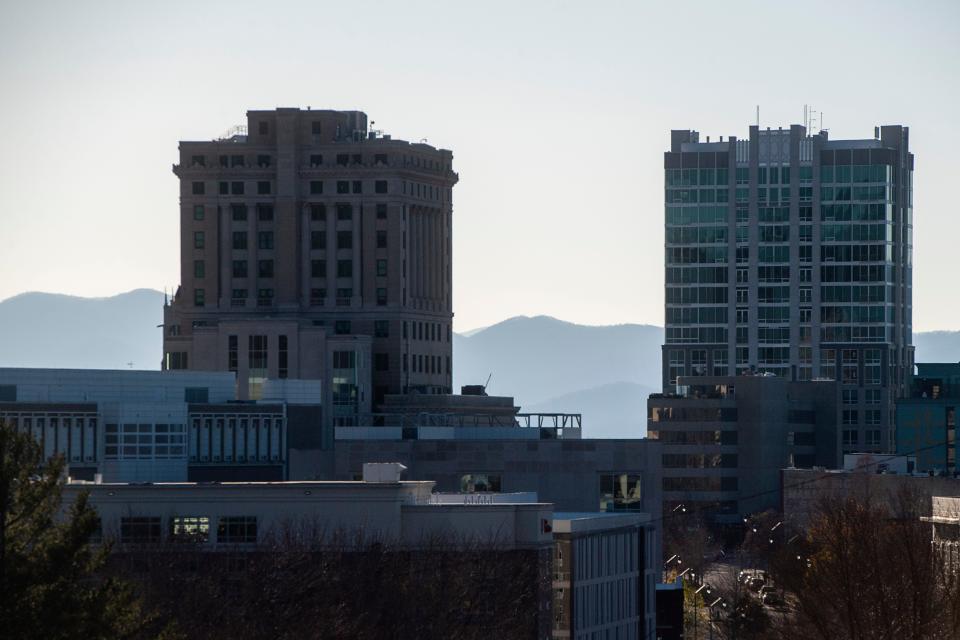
(557, 113)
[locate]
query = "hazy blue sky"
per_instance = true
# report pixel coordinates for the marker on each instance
(557, 114)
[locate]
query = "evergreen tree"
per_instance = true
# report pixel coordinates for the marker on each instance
(49, 582)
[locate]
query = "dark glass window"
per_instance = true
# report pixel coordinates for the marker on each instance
(263, 187)
(381, 239)
(265, 239)
(199, 269)
(344, 268)
(620, 492)
(264, 212)
(318, 213)
(381, 212)
(265, 268)
(263, 161)
(343, 186)
(380, 186)
(240, 240)
(238, 212)
(318, 240)
(341, 327)
(344, 239)
(198, 240)
(140, 530)
(237, 530)
(236, 188)
(316, 187)
(381, 328)
(318, 268)
(198, 188)
(239, 268)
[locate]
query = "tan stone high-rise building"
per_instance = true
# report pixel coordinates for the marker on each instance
(314, 248)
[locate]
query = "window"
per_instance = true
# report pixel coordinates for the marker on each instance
(265, 212)
(316, 187)
(198, 240)
(318, 213)
(224, 161)
(263, 161)
(198, 269)
(176, 360)
(316, 160)
(318, 240)
(344, 239)
(198, 188)
(265, 239)
(140, 530)
(237, 530)
(381, 268)
(381, 328)
(381, 297)
(343, 186)
(481, 483)
(232, 353)
(224, 188)
(189, 528)
(315, 127)
(850, 416)
(620, 492)
(381, 362)
(873, 437)
(379, 158)
(282, 360)
(381, 239)
(264, 297)
(240, 240)
(263, 127)
(344, 268)
(341, 327)
(850, 437)
(343, 159)
(238, 212)
(198, 161)
(381, 212)
(199, 297)
(849, 396)
(357, 186)
(236, 161)
(318, 268)
(380, 186)
(236, 188)
(263, 187)
(198, 212)
(344, 212)
(344, 294)
(239, 269)
(265, 268)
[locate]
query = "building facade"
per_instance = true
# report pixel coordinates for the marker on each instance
(313, 247)
(725, 439)
(927, 418)
(162, 426)
(791, 254)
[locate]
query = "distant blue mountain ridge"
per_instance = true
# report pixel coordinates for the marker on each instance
(548, 365)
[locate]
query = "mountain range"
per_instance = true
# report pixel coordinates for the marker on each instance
(549, 366)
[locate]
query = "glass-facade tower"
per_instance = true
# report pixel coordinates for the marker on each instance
(791, 254)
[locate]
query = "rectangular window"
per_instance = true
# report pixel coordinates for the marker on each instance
(380, 186)
(318, 213)
(318, 268)
(381, 239)
(265, 239)
(341, 327)
(315, 127)
(198, 240)
(344, 294)
(318, 240)
(344, 239)
(237, 530)
(620, 492)
(381, 328)
(240, 240)
(481, 483)
(381, 212)
(239, 268)
(357, 186)
(381, 362)
(236, 188)
(232, 353)
(381, 296)
(238, 212)
(344, 268)
(282, 370)
(257, 354)
(316, 187)
(343, 186)
(140, 530)
(199, 297)
(317, 296)
(344, 212)
(263, 161)
(381, 268)
(265, 212)
(850, 437)
(198, 188)
(265, 268)
(198, 212)
(199, 270)
(224, 188)
(190, 529)
(316, 160)
(198, 161)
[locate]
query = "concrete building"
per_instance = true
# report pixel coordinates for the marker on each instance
(802, 489)
(601, 566)
(927, 418)
(944, 519)
(603, 579)
(313, 247)
(169, 426)
(791, 254)
(724, 439)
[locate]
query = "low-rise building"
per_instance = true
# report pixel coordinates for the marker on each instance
(944, 519)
